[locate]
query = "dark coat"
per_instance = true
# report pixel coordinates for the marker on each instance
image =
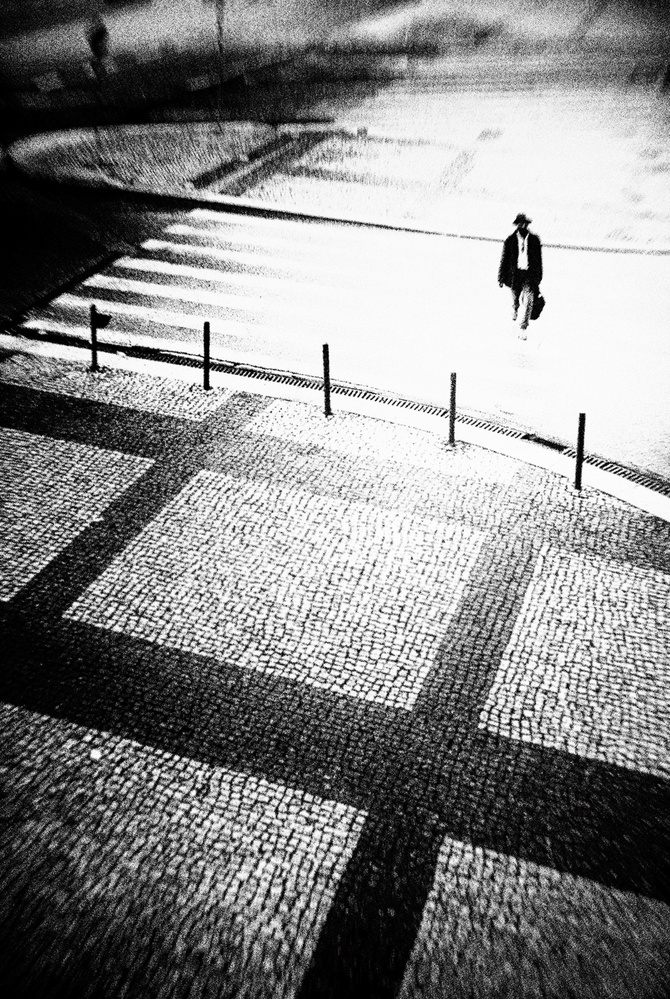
(510, 254)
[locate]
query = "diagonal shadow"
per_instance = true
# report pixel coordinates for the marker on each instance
(419, 775)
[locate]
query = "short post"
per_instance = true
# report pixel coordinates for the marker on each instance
(205, 370)
(452, 410)
(326, 380)
(98, 322)
(580, 451)
(94, 341)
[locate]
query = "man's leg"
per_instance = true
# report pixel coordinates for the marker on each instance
(516, 291)
(527, 300)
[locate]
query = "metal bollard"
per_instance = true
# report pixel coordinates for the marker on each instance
(98, 322)
(326, 380)
(205, 367)
(580, 451)
(452, 410)
(94, 342)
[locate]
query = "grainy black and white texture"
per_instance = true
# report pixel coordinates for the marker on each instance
(308, 707)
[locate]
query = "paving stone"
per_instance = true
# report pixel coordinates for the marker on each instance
(246, 571)
(53, 490)
(348, 434)
(201, 877)
(355, 571)
(131, 389)
(500, 927)
(587, 668)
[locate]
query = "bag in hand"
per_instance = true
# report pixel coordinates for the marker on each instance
(538, 305)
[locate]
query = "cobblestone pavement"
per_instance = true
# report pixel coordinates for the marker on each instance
(439, 151)
(311, 707)
(275, 289)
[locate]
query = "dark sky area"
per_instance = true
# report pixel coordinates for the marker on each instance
(22, 15)
(516, 16)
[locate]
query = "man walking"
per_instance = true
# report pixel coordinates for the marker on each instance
(521, 269)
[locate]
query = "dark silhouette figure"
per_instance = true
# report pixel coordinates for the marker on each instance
(521, 269)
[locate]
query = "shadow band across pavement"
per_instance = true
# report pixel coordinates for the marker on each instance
(419, 775)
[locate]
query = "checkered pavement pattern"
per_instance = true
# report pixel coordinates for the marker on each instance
(298, 706)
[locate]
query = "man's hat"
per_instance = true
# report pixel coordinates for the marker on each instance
(522, 218)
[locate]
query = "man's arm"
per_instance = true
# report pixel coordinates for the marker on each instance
(539, 259)
(502, 267)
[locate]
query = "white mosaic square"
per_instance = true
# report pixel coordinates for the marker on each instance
(202, 874)
(52, 490)
(129, 389)
(497, 927)
(353, 436)
(587, 667)
(344, 596)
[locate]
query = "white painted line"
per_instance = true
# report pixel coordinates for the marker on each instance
(345, 250)
(365, 294)
(279, 235)
(191, 347)
(222, 236)
(54, 326)
(179, 320)
(237, 220)
(185, 294)
(388, 275)
(215, 275)
(237, 335)
(228, 328)
(151, 266)
(312, 307)
(311, 227)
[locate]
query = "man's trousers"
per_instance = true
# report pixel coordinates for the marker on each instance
(523, 296)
